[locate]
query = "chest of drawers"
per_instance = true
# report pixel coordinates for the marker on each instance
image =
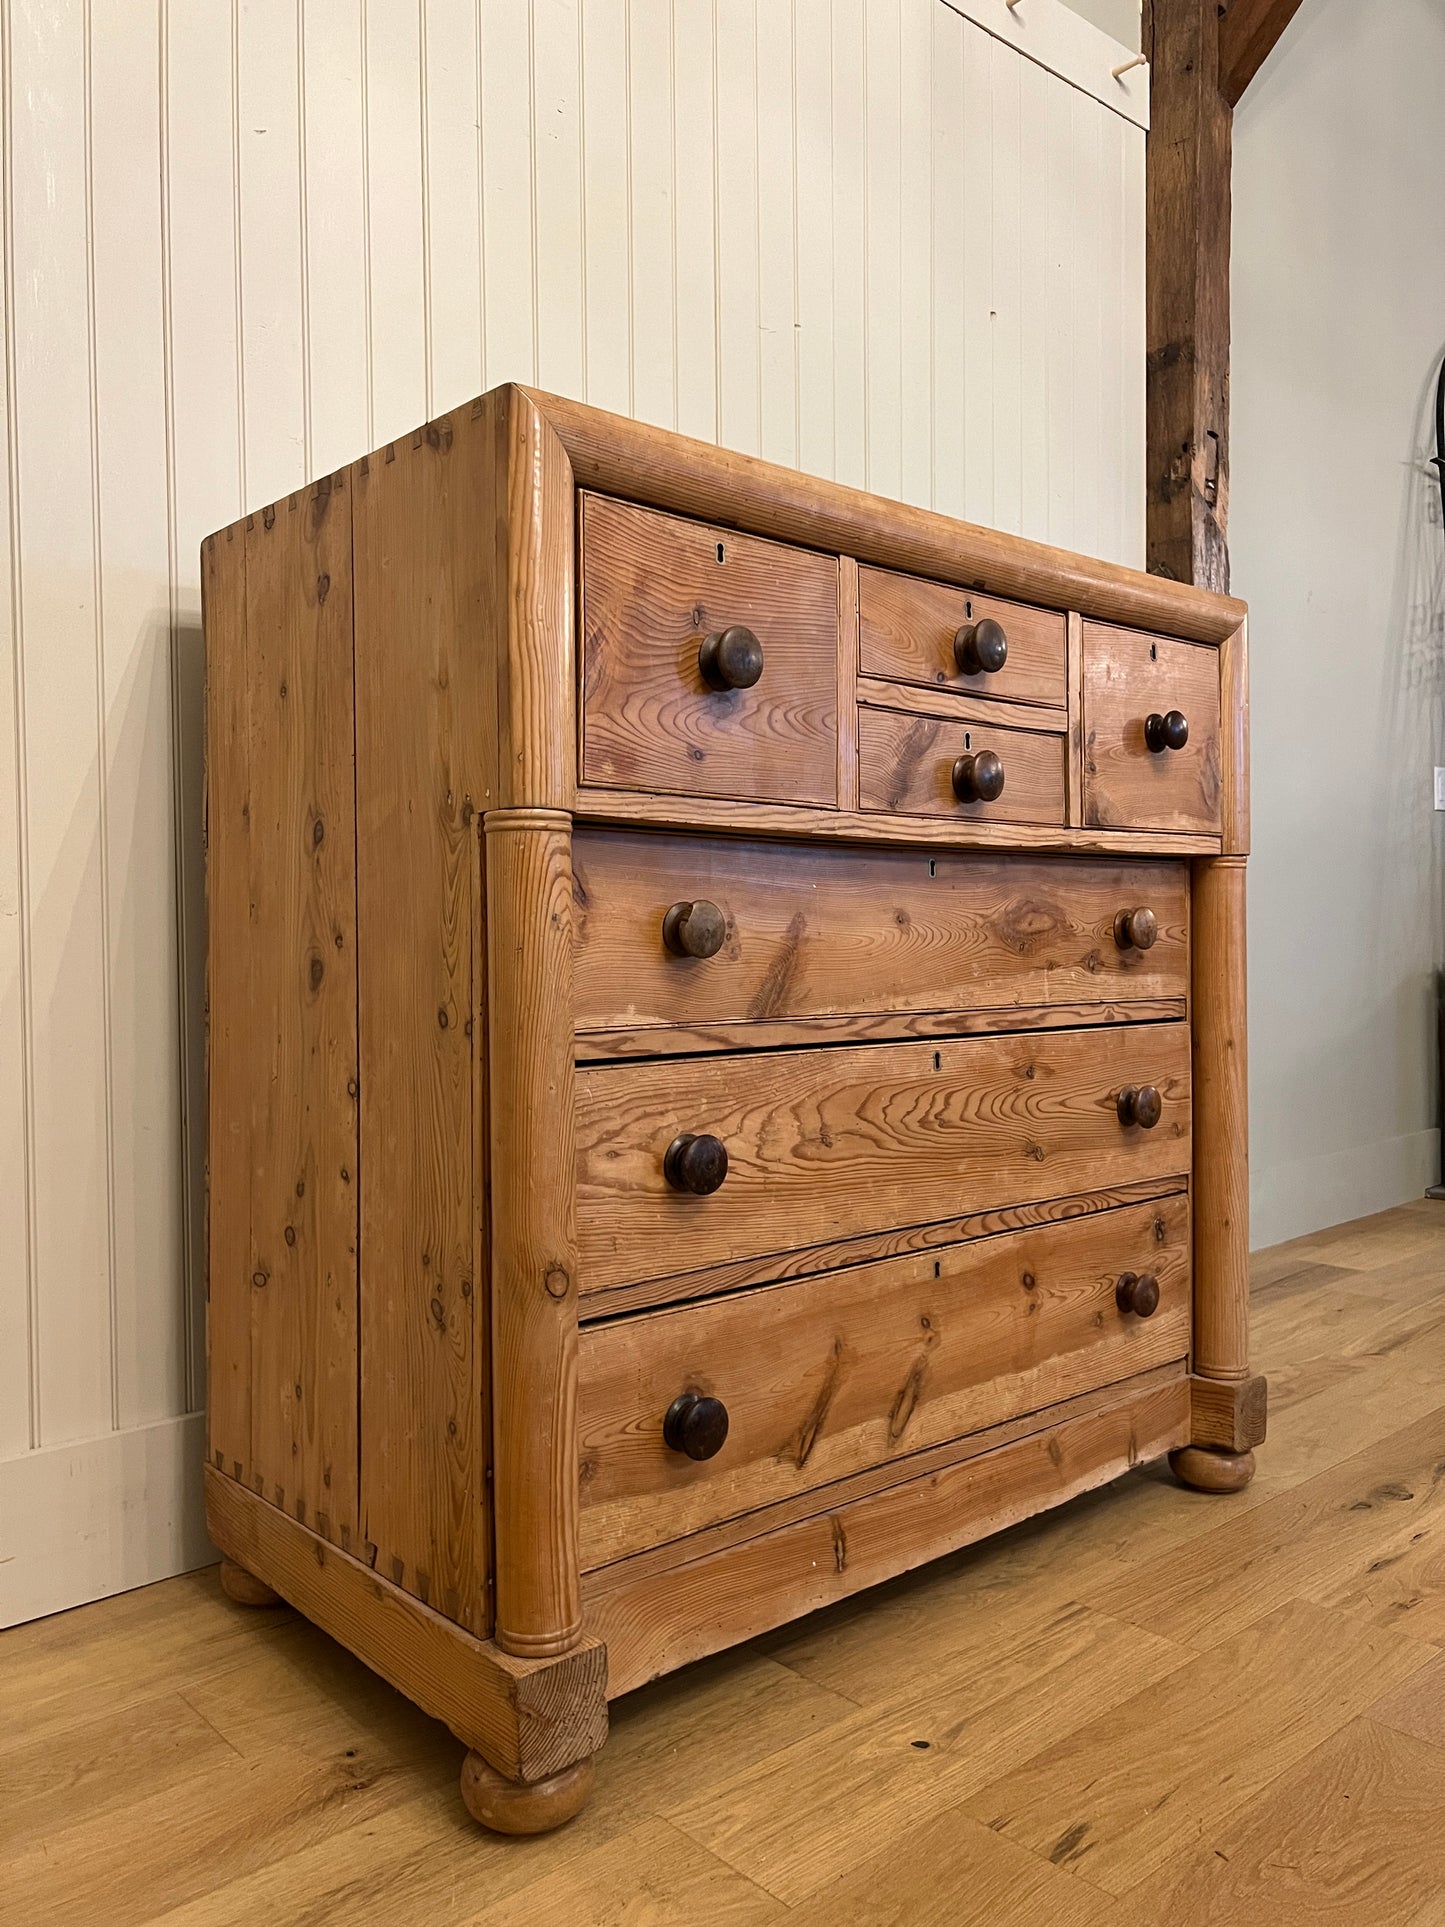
(727, 1056)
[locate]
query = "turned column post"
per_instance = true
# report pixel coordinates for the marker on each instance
(1221, 1121)
(530, 1015)
(1227, 1401)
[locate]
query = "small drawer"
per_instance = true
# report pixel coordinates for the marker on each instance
(787, 931)
(785, 1389)
(1137, 774)
(922, 632)
(690, 1162)
(921, 766)
(667, 704)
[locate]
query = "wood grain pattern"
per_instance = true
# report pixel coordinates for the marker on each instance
(847, 683)
(824, 1377)
(530, 1718)
(1228, 1415)
(425, 737)
(1143, 1782)
(830, 1142)
(905, 767)
(534, 1263)
(1187, 297)
(530, 612)
(738, 818)
(1221, 1084)
(611, 452)
(284, 1223)
(907, 628)
(826, 932)
(657, 1622)
(1247, 35)
(1075, 772)
(943, 703)
(228, 1043)
(703, 1040)
(652, 588)
(1127, 676)
(1234, 740)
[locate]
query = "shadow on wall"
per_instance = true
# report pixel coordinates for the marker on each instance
(1414, 923)
(188, 697)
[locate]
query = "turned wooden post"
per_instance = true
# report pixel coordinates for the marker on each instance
(528, 854)
(1228, 1404)
(1221, 1122)
(534, 1230)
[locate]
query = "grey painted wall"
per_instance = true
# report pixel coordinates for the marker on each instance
(1338, 326)
(1117, 17)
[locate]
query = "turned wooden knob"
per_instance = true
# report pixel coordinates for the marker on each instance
(1166, 732)
(978, 778)
(695, 1163)
(1141, 1105)
(1137, 1294)
(696, 1426)
(731, 659)
(981, 648)
(695, 929)
(1136, 929)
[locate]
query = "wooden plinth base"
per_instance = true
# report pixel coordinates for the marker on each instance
(245, 1588)
(507, 1806)
(1208, 1470)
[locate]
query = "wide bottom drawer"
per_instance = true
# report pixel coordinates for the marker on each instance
(829, 1376)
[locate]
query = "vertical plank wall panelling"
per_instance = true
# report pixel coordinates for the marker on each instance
(895, 241)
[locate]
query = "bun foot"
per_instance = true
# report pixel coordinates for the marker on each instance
(1208, 1470)
(507, 1806)
(245, 1588)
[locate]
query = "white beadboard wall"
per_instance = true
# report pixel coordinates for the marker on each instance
(899, 242)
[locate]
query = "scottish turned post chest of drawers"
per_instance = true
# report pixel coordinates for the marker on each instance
(727, 1056)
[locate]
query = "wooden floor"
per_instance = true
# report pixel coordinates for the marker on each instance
(1149, 1708)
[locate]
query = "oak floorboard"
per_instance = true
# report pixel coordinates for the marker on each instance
(1350, 1837)
(1116, 1798)
(1268, 1661)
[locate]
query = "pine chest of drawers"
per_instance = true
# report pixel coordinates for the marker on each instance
(727, 1056)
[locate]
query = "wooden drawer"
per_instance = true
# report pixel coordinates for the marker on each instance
(832, 1143)
(906, 765)
(654, 587)
(828, 1377)
(907, 630)
(1129, 677)
(898, 939)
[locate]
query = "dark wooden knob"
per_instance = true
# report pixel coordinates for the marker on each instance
(694, 929)
(1141, 1105)
(695, 1164)
(731, 659)
(1136, 929)
(981, 648)
(978, 777)
(1166, 732)
(696, 1425)
(1137, 1294)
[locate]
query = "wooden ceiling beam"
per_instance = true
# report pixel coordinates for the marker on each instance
(1187, 249)
(1247, 34)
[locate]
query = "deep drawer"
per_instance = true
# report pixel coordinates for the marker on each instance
(1133, 685)
(830, 1143)
(912, 631)
(655, 588)
(821, 931)
(831, 1376)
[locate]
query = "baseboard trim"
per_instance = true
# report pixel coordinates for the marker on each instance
(1309, 1194)
(82, 1521)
